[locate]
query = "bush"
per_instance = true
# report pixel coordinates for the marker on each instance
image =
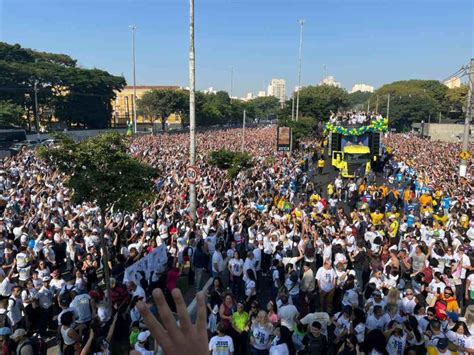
(233, 162)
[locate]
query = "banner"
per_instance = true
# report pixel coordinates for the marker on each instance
(154, 262)
(355, 140)
(283, 139)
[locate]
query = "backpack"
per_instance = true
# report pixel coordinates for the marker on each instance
(37, 343)
(440, 309)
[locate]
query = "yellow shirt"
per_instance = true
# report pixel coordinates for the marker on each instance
(330, 189)
(442, 220)
(425, 200)
(240, 320)
(406, 195)
(376, 218)
(393, 229)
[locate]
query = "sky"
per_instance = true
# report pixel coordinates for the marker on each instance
(357, 41)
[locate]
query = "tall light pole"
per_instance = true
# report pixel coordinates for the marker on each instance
(36, 111)
(192, 107)
(293, 106)
(301, 22)
(388, 106)
(231, 82)
(243, 132)
(467, 121)
(134, 99)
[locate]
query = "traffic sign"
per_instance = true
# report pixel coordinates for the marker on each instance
(192, 174)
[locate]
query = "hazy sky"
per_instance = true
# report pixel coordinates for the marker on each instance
(357, 41)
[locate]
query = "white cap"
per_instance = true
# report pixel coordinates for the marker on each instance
(143, 336)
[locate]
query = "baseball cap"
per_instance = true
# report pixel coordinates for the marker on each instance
(453, 316)
(20, 332)
(46, 278)
(143, 336)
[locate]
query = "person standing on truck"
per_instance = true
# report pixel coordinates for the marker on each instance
(320, 165)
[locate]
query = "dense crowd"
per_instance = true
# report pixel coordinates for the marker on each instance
(353, 118)
(297, 263)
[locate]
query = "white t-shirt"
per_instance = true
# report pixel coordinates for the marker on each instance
(261, 336)
(287, 315)
(236, 267)
(396, 345)
(326, 278)
(471, 279)
(217, 260)
(281, 349)
(321, 317)
(250, 288)
(221, 345)
(465, 262)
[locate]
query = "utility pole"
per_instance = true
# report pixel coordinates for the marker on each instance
(134, 99)
(192, 107)
(301, 22)
(388, 106)
(36, 110)
(439, 116)
(231, 83)
(377, 105)
(243, 133)
(293, 107)
(467, 121)
(368, 105)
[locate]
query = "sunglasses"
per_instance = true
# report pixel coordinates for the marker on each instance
(409, 294)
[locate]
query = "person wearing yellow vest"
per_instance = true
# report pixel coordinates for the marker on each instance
(393, 230)
(320, 166)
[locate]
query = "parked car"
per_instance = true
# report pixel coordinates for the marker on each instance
(28, 144)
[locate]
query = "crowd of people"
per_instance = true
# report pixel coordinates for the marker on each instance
(353, 117)
(296, 264)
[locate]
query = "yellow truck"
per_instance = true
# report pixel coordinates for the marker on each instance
(352, 161)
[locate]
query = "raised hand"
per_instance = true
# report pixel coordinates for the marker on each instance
(185, 339)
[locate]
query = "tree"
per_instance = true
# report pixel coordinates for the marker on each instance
(10, 115)
(162, 103)
(412, 101)
(319, 101)
(79, 96)
(233, 162)
(358, 100)
(263, 107)
(100, 171)
(456, 100)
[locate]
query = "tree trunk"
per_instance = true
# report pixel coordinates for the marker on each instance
(105, 258)
(163, 123)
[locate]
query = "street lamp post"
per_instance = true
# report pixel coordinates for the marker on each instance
(192, 107)
(134, 99)
(467, 121)
(301, 22)
(243, 132)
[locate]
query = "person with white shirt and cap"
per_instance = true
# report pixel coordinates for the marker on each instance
(141, 345)
(45, 300)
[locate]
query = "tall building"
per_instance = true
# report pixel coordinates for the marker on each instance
(262, 93)
(362, 87)
(277, 88)
(453, 83)
(330, 80)
(122, 106)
